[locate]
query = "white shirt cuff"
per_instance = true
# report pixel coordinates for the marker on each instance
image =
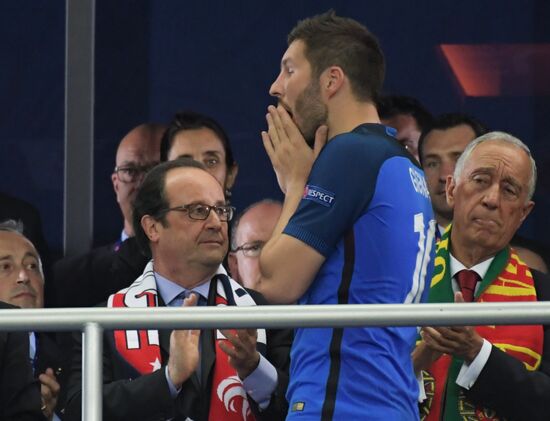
(470, 372)
(173, 391)
(421, 390)
(261, 383)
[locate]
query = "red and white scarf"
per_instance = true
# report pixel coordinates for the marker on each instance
(141, 348)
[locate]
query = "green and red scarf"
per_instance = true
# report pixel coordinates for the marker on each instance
(507, 279)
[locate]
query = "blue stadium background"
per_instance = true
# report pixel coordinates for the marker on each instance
(156, 57)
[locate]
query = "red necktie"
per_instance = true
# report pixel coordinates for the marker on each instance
(467, 279)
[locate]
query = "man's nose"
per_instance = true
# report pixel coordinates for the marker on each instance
(491, 198)
(446, 169)
(213, 221)
(276, 89)
(23, 276)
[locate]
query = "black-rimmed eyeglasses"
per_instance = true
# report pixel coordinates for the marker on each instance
(131, 173)
(252, 249)
(200, 212)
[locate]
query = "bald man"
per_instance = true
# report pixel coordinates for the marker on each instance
(137, 152)
(250, 231)
(88, 279)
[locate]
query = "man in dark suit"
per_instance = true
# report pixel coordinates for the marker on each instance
(19, 392)
(22, 284)
(88, 279)
(181, 217)
(486, 372)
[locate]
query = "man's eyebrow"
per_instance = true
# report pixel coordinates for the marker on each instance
(513, 182)
(483, 170)
(431, 156)
(6, 257)
(31, 254)
(286, 61)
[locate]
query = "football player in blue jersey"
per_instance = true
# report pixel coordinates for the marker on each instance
(356, 227)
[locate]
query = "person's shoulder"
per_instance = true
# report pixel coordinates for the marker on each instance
(258, 298)
(372, 139)
(542, 285)
(6, 306)
(92, 256)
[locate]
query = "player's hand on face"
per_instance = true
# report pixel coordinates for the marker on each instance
(49, 391)
(287, 149)
(184, 350)
(241, 349)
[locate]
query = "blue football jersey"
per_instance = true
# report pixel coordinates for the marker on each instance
(366, 208)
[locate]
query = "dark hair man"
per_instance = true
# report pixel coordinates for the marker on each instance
(439, 147)
(487, 372)
(351, 212)
(22, 285)
(203, 139)
(180, 216)
(406, 115)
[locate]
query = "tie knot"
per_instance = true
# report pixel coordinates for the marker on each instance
(467, 280)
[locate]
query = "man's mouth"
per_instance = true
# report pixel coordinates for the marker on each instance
(24, 295)
(287, 109)
(212, 242)
(486, 222)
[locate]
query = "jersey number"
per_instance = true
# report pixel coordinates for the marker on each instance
(425, 243)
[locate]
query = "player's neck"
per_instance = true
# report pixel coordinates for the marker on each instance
(345, 115)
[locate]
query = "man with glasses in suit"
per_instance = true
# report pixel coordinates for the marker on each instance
(180, 218)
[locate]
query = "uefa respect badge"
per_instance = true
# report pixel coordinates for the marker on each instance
(319, 195)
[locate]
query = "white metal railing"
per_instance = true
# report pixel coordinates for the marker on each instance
(92, 321)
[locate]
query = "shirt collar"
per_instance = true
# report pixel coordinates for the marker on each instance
(123, 236)
(481, 268)
(169, 290)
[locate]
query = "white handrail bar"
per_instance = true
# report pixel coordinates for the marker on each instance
(71, 319)
(93, 320)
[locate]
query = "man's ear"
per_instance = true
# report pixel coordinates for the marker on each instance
(231, 176)
(151, 227)
(332, 80)
(527, 210)
(114, 180)
(450, 187)
(233, 266)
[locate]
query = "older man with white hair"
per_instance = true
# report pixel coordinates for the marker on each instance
(486, 372)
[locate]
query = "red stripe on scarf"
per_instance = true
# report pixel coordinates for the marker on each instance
(228, 400)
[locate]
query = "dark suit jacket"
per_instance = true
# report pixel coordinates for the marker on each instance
(89, 279)
(129, 396)
(19, 392)
(50, 355)
(506, 386)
